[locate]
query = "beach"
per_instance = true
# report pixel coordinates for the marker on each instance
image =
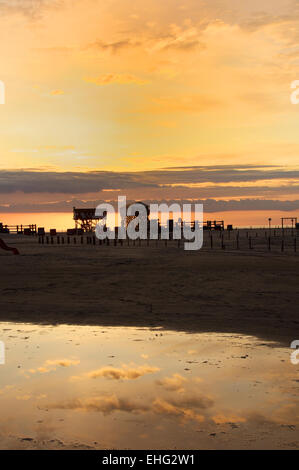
(238, 291)
(182, 349)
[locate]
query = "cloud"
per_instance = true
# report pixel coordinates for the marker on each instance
(219, 188)
(57, 92)
(114, 46)
(116, 78)
(67, 182)
(172, 384)
(222, 418)
(181, 104)
(190, 407)
(30, 8)
(116, 373)
(52, 364)
(210, 205)
(79, 182)
(185, 408)
(104, 404)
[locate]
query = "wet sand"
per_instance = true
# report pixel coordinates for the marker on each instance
(248, 292)
(91, 387)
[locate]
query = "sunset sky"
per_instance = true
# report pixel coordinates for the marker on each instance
(172, 99)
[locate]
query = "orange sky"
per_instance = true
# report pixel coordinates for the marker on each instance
(116, 85)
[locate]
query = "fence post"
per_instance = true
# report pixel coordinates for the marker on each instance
(222, 243)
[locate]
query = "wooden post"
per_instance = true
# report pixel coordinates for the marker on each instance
(250, 243)
(295, 245)
(238, 246)
(269, 243)
(282, 245)
(211, 241)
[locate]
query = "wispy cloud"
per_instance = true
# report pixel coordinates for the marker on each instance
(94, 181)
(173, 384)
(57, 92)
(116, 78)
(114, 373)
(52, 364)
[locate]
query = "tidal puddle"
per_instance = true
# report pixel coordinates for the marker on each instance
(95, 387)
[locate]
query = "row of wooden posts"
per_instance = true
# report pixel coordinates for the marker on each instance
(251, 244)
(61, 240)
(92, 240)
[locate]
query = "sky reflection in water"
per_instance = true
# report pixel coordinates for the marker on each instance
(77, 387)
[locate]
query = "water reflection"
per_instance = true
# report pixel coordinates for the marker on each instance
(78, 387)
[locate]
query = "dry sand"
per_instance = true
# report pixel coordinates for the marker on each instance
(223, 291)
